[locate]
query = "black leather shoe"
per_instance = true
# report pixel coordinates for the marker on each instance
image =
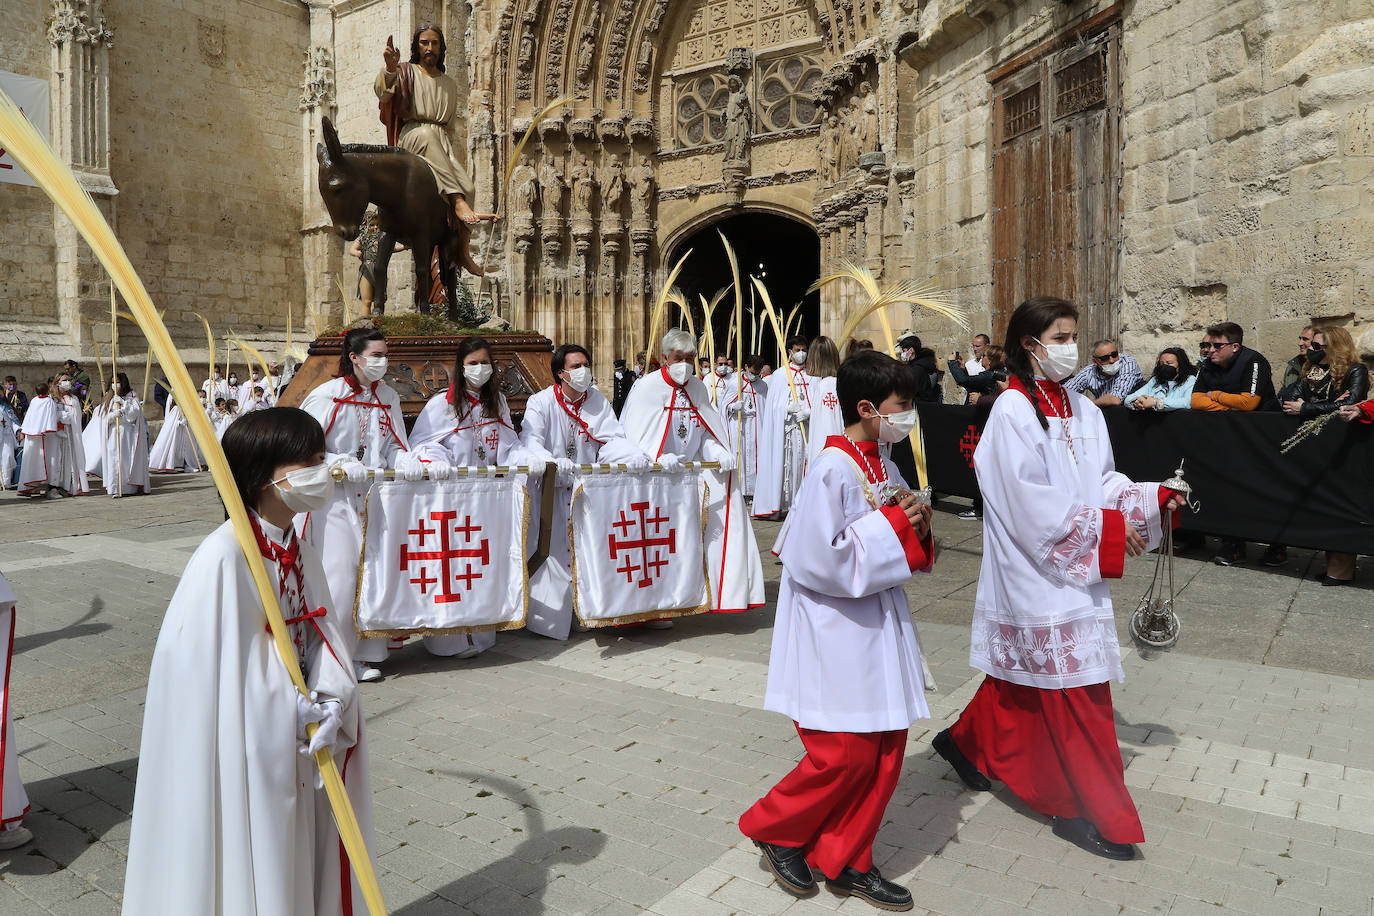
(1084, 835)
(1274, 556)
(1328, 580)
(969, 774)
(871, 887)
(788, 865)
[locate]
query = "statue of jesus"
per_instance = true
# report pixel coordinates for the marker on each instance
(418, 102)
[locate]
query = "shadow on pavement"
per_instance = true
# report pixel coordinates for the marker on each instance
(74, 630)
(70, 813)
(533, 863)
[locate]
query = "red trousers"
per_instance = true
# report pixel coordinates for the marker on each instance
(1056, 749)
(832, 804)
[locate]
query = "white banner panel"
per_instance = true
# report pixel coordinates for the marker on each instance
(31, 95)
(637, 547)
(443, 557)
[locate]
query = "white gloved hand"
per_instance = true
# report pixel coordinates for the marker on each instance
(732, 409)
(409, 466)
(439, 469)
(803, 413)
(331, 719)
(567, 468)
(353, 469)
(536, 465)
(307, 711)
(671, 463)
(723, 457)
(638, 464)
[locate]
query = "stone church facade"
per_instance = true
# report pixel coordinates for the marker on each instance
(1165, 163)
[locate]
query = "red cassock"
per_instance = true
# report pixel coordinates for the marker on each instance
(1056, 749)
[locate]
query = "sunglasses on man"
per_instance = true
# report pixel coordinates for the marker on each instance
(1107, 357)
(1208, 345)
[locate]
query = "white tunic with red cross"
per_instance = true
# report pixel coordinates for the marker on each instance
(469, 438)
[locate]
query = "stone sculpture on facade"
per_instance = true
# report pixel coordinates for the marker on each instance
(552, 191)
(739, 128)
(524, 183)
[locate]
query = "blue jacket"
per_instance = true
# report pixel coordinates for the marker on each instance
(1174, 395)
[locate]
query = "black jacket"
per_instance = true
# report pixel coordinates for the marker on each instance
(1323, 395)
(1248, 374)
(927, 376)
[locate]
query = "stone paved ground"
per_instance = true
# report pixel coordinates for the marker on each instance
(605, 775)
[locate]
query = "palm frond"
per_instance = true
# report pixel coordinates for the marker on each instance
(659, 304)
(903, 292)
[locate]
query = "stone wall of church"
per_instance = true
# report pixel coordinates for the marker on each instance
(204, 138)
(27, 273)
(1247, 165)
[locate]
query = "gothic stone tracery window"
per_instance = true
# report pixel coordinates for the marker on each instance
(780, 90)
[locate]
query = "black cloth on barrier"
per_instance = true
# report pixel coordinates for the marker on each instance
(1320, 495)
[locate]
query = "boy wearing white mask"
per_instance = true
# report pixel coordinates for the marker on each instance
(845, 664)
(363, 430)
(783, 436)
(720, 381)
(570, 423)
(227, 814)
(1058, 522)
(469, 425)
(670, 416)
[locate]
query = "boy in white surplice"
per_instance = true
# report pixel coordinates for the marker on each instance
(845, 664)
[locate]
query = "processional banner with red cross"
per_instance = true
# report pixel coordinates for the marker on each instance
(443, 557)
(638, 547)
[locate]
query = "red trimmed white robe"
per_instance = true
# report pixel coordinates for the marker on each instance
(46, 436)
(227, 818)
(666, 418)
(1055, 513)
(845, 663)
(352, 417)
(782, 444)
(14, 802)
(743, 410)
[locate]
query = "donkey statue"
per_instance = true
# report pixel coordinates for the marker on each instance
(409, 208)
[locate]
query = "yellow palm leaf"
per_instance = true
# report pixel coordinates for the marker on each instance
(903, 292)
(659, 304)
(209, 342)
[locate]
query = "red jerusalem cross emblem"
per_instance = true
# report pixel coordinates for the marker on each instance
(968, 442)
(653, 548)
(448, 554)
(830, 400)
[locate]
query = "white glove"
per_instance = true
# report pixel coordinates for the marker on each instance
(331, 718)
(801, 414)
(638, 464)
(409, 466)
(733, 409)
(567, 468)
(307, 711)
(353, 469)
(439, 469)
(724, 457)
(671, 463)
(536, 465)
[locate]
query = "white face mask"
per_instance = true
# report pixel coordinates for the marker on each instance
(477, 374)
(723, 371)
(679, 372)
(311, 488)
(1111, 369)
(373, 368)
(65, 385)
(580, 379)
(894, 427)
(751, 376)
(908, 355)
(799, 358)
(233, 379)
(1059, 360)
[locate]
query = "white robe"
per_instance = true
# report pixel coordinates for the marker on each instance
(9, 442)
(549, 426)
(175, 448)
(126, 441)
(782, 444)
(217, 388)
(74, 453)
(1043, 613)
(227, 819)
(93, 441)
(845, 654)
(663, 418)
(45, 447)
(14, 802)
(826, 420)
(337, 532)
(717, 387)
(473, 440)
(746, 401)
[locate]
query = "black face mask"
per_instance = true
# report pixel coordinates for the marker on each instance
(1164, 373)
(1315, 355)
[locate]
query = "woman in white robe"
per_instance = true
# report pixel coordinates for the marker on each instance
(175, 448)
(363, 429)
(74, 451)
(477, 432)
(570, 423)
(126, 442)
(1058, 522)
(782, 444)
(743, 410)
(227, 817)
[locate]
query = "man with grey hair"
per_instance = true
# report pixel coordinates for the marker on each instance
(1109, 377)
(669, 414)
